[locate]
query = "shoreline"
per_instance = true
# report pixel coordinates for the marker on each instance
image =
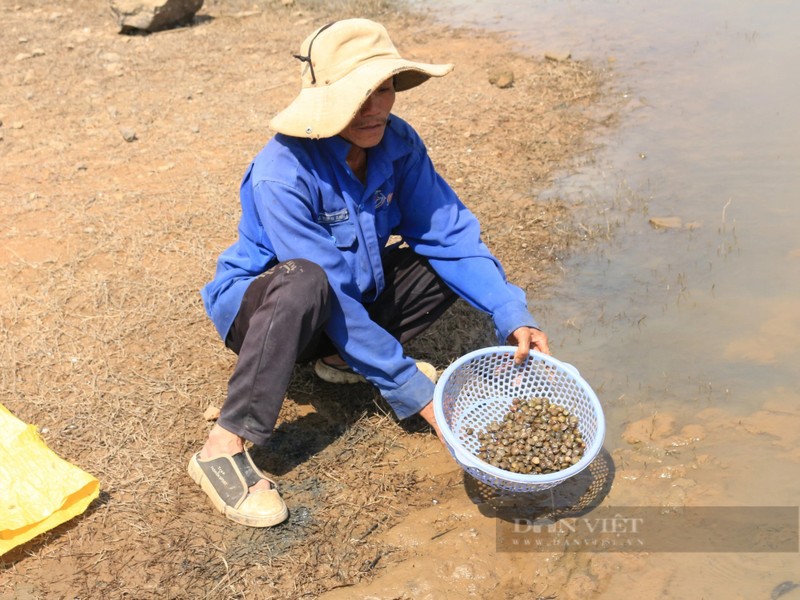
(108, 350)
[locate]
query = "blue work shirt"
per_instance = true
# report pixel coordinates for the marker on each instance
(300, 199)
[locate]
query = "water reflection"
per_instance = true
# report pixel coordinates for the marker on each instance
(689, 336)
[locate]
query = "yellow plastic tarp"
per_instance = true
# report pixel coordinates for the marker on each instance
(38, 489)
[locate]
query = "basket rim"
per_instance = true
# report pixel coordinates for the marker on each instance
(466, 458)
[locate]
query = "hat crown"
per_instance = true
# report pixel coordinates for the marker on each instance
(343, 63)
(338, 49)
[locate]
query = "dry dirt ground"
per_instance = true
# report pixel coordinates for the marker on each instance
(104, 344)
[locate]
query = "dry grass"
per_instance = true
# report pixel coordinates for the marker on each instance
(104, 244)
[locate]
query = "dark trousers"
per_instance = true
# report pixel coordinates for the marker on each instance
(282, 319)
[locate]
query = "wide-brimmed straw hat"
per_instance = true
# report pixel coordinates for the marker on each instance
(342, 64)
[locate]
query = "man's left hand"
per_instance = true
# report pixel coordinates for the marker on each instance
(526, 339)
(427, 414)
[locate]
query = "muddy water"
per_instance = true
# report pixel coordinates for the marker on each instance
(691, 336)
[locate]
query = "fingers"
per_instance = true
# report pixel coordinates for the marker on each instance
(539, 341)
(529, 338)
(523, 349)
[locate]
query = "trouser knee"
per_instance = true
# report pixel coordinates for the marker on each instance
(306, 281)
(292, 294)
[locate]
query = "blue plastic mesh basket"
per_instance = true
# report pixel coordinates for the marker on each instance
(479, 388)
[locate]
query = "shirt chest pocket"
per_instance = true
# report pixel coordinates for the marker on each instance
(342, 229)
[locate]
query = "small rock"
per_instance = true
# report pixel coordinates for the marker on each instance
(38, 52)
(558, 56)
(81, 167)
(666, 222)
(502, 78)
(154, 15)
(129, 135)
(650, 429)
(211, 413)
(23, 56)
(246, 13)
(673, 223)
(17, 125)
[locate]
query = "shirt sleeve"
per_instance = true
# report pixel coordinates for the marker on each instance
(437, 225)
(369, 349)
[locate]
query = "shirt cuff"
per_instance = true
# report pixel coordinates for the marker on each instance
(411, 397)
(510, 318)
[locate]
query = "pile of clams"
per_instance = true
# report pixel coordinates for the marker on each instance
(534, 437)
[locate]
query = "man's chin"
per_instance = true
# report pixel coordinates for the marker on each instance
(365, 137)
(371, 138)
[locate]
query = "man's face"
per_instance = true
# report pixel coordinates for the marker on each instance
(367, 127)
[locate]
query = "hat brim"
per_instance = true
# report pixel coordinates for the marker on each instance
(325, 110)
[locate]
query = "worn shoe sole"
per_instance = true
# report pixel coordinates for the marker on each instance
(331, 374)
(429, 370)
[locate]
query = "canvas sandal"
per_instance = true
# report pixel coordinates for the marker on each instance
(344, 374)
(336, 373)
(227, 479)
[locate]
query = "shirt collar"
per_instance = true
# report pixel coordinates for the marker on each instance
(338, 146)
(393, 143)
